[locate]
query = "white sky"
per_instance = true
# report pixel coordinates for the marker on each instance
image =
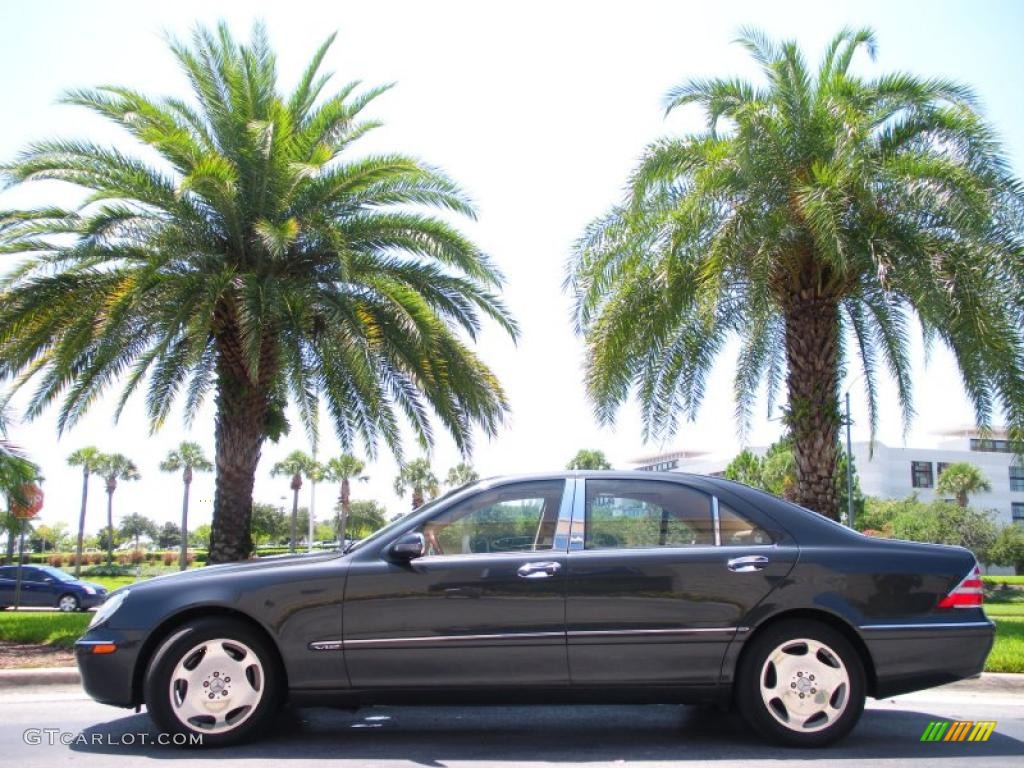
(539, 110)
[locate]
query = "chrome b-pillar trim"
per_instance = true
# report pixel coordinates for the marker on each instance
(715, 521)
(577, 530)
(564, 524)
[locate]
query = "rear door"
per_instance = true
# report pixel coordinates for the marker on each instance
(661, 575)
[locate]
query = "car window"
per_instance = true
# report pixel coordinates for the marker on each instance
(7, 573)
(31, 574)
(631, 514)
(510, 518)
(56, 573)
(736, 530)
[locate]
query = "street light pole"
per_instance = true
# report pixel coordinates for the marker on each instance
(849, 466)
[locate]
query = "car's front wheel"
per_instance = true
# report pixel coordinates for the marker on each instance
(68, 603)
(801, 683)
(215, 678)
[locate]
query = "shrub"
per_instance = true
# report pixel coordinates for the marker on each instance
(96, 558)
(169, 558)
(56, 560)
(136, 556)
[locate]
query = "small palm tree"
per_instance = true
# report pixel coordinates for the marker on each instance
(89, 459)
(114, 467)
(186, 458)
(461, 474)
(245, 252)
(816, 215)
(343, 469)
(961, 479)
(134, 526)
(296, 465)
(417, 476)
(589, 459)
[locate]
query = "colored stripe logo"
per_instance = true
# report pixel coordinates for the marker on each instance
(958, 730)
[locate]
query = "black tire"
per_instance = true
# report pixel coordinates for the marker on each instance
(73, 601)
(179, 647)
(748, 692)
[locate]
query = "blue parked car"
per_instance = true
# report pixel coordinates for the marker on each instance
(43, 586)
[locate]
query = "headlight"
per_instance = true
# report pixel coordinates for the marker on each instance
(88, 590)
(107, 609)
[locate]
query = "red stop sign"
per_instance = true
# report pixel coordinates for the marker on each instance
(33, 496)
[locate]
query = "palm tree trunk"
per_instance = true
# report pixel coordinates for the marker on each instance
(417, 497)
(295, 519)
(240, 430)
(110, 527)
(961, 498)
(812, 355)
(345, 506)
(183, 554)
(81, 523)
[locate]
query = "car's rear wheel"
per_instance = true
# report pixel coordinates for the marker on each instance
(801, 683)
(218, 678)
(68, 603)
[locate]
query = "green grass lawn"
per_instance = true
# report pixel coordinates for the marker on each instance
(1008, 652)
(57, 629)
(989, 580)
(113, 582)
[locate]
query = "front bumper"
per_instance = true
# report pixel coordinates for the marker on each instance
(91, 601)
(109, 678)
(910, 658)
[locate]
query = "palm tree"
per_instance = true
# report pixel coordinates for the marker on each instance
(813, 218)
(588, 459)
(461, 474)
(113, 467)
(253, 258)
(960, 479)
(88, 458)
(186, 458)
(416, 476)
(295, 465)
(343, 469)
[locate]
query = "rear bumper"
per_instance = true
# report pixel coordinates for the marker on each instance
(911, 657)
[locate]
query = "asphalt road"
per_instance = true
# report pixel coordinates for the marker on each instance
(888, 735)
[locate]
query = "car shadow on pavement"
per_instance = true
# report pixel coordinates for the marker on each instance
(435, 736)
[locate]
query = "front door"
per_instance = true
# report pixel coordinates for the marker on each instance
(485, 606)
(661, 576)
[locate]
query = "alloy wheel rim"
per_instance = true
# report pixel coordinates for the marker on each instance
(68, 603)
(216, 686)
(804, 685)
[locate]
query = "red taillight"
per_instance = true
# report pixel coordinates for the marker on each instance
(969, 593)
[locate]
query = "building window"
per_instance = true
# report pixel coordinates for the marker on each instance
(921, 474)
(1016, 478)
(662, 466)
(995, 446)
(940, 467)
(1017, 511)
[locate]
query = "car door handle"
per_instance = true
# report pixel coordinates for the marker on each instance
(747, 564)
(538, 570)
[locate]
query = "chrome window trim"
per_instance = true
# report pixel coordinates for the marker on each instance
(932, 625)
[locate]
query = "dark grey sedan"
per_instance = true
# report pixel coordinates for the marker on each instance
(578, 587)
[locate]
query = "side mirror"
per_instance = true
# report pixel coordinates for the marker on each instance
(409, 547)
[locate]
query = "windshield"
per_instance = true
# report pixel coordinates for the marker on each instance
(399, 520)
(56, 573)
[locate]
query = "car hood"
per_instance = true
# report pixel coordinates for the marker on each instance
(220, 569)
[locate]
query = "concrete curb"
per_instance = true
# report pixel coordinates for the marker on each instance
(18, 678)
(992, 682)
